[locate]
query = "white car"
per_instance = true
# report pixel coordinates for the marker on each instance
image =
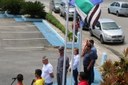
(55, 5)
(118, 8)
(108, 31)
(64, 10)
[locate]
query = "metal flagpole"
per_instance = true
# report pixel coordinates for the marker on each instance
(72, 59)
(65, 50)
(80, 47)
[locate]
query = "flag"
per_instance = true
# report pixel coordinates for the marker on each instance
(89, 10)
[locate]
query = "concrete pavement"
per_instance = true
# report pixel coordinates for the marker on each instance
(22, 47)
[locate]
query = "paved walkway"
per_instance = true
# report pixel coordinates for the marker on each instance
(56, 40)
(50, 34)
(96, 81)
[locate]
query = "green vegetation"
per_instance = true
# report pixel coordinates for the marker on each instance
(1, 5)
(34, 9)
(116, 73)
(57, 23)
(13, 6)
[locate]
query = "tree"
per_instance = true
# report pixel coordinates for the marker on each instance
(116, 73)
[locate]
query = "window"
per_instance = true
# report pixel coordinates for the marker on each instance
(117, 5)
(124, 5)
(113, 3)
(98, 25)
(110, 26)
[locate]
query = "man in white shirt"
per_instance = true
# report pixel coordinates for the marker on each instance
(47, 71)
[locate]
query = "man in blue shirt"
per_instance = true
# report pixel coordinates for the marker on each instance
(90, 56)
(95, 55)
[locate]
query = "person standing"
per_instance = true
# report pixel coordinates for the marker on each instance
(60, 66)
(77, 25)
(75, 65)
(88, 62)
(47, 71)
(38, 80)
(93, 48)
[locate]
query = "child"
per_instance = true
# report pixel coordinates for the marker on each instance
(19, 79)
(39, 80)
(83, 79)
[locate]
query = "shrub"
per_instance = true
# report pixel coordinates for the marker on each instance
(34, 9)
(13, 6)
(1, 5)
(116, 73)
(57, 23)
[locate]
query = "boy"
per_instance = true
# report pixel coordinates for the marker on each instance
(83, 79)
(39, 80)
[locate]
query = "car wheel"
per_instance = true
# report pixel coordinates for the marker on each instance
(109, 11)
(123, 41)
(101, 40)
(65, 16)
(91, 34)
(60, 14)
(117, 13)
(54, 10)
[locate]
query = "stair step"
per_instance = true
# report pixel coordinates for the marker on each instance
(19, 35)
(23, 48)
(35, 42)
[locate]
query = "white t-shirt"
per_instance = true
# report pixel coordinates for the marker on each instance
(75, 64)
(46, 70)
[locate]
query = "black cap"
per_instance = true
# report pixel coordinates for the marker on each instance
(61, 48)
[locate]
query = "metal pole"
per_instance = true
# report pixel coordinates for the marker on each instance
(74, 26)
(65, 50)
(80, 46)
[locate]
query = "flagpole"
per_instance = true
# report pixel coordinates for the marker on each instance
(73, 40)
(80, 47)
(65, 50)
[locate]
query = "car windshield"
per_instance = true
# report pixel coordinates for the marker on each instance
(124, 5)
(110, 26)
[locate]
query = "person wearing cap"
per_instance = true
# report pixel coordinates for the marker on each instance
(60, 66)
(47, 71)
(19, 79)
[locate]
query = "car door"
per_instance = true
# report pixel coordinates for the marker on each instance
(117, 7)
(111, 8)
(114, 7)
(97, 30)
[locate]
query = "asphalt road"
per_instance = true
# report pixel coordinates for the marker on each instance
(117, 49)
